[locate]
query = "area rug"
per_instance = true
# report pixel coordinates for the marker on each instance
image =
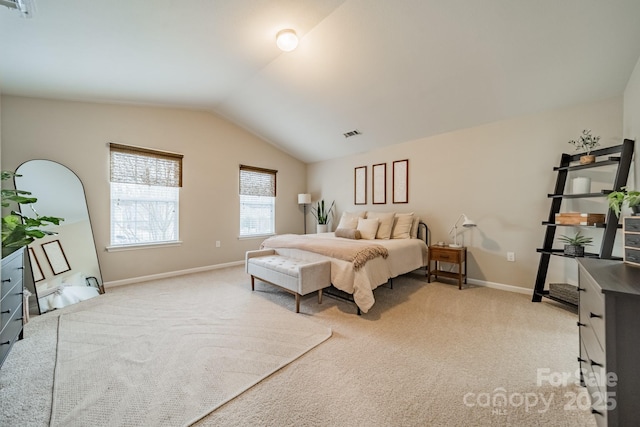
(171, 359)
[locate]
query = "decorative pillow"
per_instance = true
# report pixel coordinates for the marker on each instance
(414, 227)
(348, 233)
(368, 228)
(402, 226)
(350, 219)
(386, 223)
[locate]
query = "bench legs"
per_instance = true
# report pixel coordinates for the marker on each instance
(297, 295)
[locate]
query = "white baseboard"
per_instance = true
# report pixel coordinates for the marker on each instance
(502, 287)
(115, 283)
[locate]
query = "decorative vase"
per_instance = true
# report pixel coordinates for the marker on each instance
(636, 210)
(581, 185)
(587, 159)
(322, 228)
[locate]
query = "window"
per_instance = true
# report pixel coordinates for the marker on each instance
(144, 195)
(257, 201)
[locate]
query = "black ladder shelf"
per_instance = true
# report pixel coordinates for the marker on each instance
(620, 155)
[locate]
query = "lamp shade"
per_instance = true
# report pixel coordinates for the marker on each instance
(287, 40)
(304, 199)
(468, 222)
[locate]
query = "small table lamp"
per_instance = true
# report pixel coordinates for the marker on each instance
(304, 200)
(466, 223)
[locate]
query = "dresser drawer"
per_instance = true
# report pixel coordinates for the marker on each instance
(632, 224)
(632, 240)
(446, 255)
(10, 332)
(11, 302)
(632, 255)
(596, 358)
(591, 315)
(595, 388)
(12, 268)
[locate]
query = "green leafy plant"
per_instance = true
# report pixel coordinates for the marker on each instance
(586, 142)
(617, 199)
(19, 230)
(322, 215)
(577, 240)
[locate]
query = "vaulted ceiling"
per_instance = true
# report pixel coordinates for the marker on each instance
(396, 70)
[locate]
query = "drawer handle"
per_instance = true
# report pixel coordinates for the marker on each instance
(6, 280)
(580, 359)
(6, 312)
(5, 343)
(596, 364)
(592, 315)
(595, 411)
(580, 324)
(580, 289)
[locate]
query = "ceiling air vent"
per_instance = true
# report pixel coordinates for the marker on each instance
(352, 133)
(25, 7)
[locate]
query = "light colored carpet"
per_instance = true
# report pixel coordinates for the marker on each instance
(410, 361)
(172, 358)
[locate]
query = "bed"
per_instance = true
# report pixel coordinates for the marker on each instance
(59, 293)
(400, 255)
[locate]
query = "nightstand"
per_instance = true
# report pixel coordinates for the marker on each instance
(450, 255)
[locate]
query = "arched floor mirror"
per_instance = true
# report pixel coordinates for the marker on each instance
(65, 266)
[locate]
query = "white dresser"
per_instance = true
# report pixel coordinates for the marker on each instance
(609, 325)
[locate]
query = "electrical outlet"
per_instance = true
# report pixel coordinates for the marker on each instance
(217, 243)
(511, 256)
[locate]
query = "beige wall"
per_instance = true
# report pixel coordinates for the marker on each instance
(76, 134)
(498, 174)
(632, 116)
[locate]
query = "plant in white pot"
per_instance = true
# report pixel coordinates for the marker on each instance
(322, 216)
(574, 246)
(586, 142)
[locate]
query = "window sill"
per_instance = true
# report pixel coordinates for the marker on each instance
(256, 236)
(143, 246)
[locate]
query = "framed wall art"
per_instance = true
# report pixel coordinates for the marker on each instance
(401, 181)
(379, 183)
(56, 257)
(35, 266)
(360, 186)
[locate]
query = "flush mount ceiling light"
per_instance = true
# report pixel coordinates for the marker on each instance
(287, 40)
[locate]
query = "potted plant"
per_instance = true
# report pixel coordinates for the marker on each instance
(617, 199)
(574, 246)
(322, 216)
(586, 142)
(19, 230)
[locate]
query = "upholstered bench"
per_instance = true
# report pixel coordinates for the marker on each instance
(294, 275)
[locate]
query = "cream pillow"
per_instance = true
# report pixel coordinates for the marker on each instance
(386, 223)
(349, 220)
(414, 227)
(368, 228)
(402, 226)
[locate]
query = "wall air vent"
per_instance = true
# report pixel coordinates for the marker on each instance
(25, 7)
(352, 133)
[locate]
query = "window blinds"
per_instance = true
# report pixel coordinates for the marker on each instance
(135, 165)
(257, 181)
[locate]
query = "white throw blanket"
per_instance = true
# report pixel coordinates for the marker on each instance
(357, 252)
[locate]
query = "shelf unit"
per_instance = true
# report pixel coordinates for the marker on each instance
(620, 155)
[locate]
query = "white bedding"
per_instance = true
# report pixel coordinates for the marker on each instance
(405, 255)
